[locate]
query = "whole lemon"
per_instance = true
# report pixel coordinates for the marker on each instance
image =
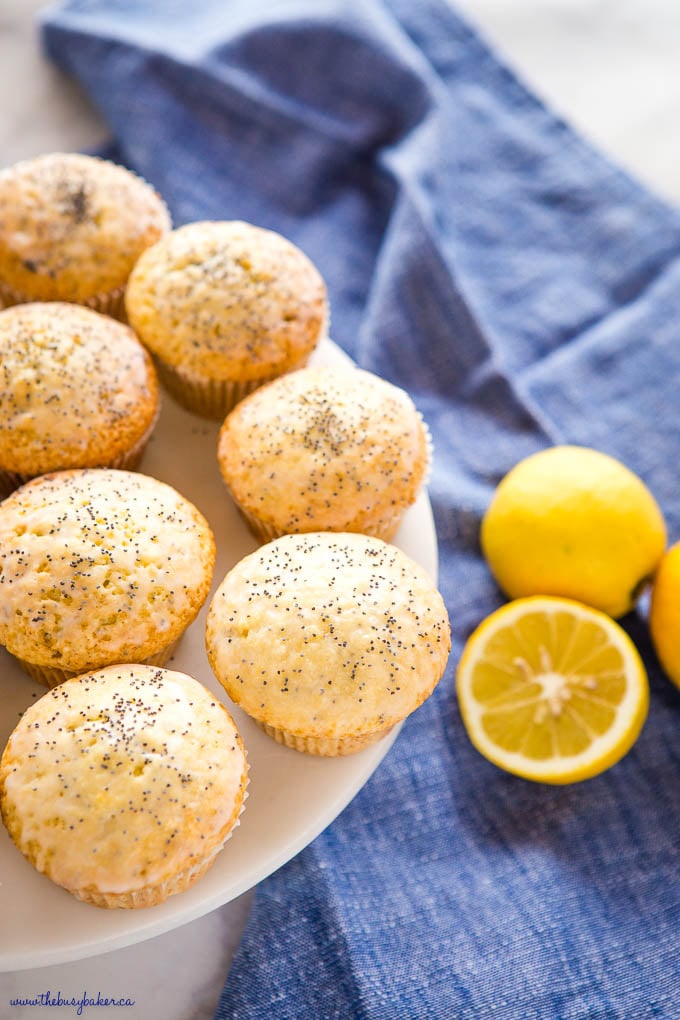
(574, 522)
(664, 613)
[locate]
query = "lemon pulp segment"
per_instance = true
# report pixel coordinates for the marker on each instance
(552, 690)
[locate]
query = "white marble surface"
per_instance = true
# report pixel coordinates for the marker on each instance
(178, 976)
(610, 66)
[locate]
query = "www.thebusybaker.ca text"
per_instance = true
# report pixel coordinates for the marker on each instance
(48, 999)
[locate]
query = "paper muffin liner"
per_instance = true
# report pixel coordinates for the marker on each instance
(111, 303)
(385, 528)
(429, 452)
(260, 529)
(211, 398)
(11, 480)
(52, 676)
(128, 461)
(148, 896)
(152, 895)
(9, 296)
(327, 747)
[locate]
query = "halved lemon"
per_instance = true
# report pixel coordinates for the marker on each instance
(552, 690)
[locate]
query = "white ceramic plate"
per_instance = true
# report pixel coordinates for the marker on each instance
(292, 797)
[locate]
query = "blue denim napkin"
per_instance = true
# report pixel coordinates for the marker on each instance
(525, 291)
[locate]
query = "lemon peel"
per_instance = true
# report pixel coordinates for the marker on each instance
(574, 522)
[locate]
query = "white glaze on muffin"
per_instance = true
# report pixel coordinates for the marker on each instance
(99, 566)
(77, 389)
(328, 637)
(227, 301)
(336, 449)
(120, 783)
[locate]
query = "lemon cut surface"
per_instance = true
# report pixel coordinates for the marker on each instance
(552, 690)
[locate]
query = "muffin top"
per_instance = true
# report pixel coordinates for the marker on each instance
(227, 300)
(99, 566)
(77, 389)
(328, 635)
(120, 779)
(73, 226)
(324, 449)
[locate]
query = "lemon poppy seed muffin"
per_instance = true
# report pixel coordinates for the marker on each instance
(325, 449)
(98, 567)
(224, 306)
(327, 640)
(123, 785)
(72, 227)
(77, 389)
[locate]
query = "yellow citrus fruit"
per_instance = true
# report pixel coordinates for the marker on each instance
(574, 522)
(664, 613)
(552, 690)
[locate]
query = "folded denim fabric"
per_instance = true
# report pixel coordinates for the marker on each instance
(525, 291)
